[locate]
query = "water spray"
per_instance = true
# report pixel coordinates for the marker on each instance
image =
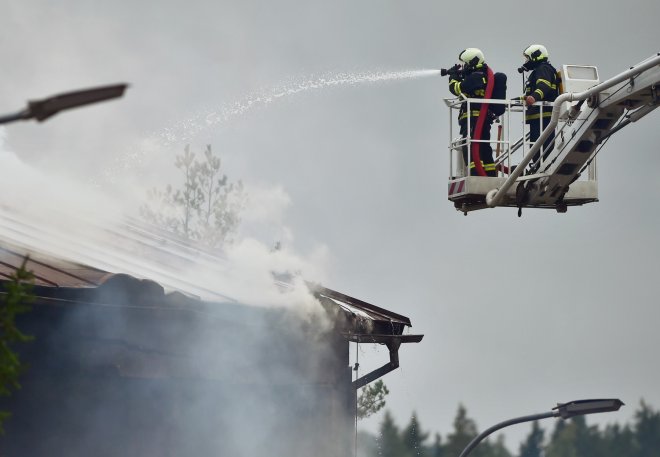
(187, 129)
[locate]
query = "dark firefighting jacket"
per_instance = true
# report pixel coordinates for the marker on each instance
(472, 85)
(542, 84)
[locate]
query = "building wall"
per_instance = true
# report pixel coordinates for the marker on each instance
(127, 377)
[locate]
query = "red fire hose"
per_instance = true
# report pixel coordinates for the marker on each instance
(483, 112)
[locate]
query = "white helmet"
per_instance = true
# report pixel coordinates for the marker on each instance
(472, 57)
(535, 53)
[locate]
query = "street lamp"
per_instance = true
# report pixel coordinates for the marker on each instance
(562, 410)
(43, 109)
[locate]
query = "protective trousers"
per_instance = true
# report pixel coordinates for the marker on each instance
(485, 149)
(534, 134)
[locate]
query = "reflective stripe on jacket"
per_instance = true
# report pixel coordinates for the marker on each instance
(541, 84)
(486, 166)
(472, 85)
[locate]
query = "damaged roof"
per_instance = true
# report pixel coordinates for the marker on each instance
(65, 281)
(49, 271)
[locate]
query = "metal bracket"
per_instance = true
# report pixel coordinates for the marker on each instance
(393, 364)
(631, 82)
(393, 342)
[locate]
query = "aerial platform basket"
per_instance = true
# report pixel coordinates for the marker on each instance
(468, 193)
(582, 119)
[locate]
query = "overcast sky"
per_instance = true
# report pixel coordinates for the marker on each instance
(518, 314)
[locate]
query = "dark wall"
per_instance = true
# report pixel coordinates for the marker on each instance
(126, 378)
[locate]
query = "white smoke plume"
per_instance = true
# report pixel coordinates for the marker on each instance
(66, 218)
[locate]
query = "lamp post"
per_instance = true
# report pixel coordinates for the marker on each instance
(562, 410)
(43, 109)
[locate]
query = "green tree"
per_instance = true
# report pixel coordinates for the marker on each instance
(414, 438)
(437, 449)
(205, 208)
(573, 438)
(646, 431)
(15, 300)
(221, 201)
(496, 449)
(562, 441)
(371, 399)
(533, 444)
(569, 438)
(465, 430)
(390, 443)
(618, 441)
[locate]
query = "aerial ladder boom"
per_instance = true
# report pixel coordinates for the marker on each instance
(582, 121)
(634, 90)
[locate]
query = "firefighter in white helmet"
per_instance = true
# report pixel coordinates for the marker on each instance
(541, 85)
(471, 81)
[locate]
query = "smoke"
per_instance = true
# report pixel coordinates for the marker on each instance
(73, 220)
(256, 373)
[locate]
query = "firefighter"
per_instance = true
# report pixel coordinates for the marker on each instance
(471, 82)
(541, 85)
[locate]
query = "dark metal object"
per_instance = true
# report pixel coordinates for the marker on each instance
(562, 410)
(454, 71)
(582, 407)
(375, 312)
(48, 107)
(494, 428)
(392, 343)
(362, 322)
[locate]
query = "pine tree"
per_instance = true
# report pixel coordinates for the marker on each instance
(371, 399)
(390, 443)
(221, 201)
(465, 430)
(437, 449)
(647, 431)
(496, 449)
(414, 438)
(533, 445)
(16, 296)
(206, 208)
(618, 441)
(573, 438)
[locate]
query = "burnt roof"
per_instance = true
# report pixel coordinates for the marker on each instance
(49, 271)
(64, 282)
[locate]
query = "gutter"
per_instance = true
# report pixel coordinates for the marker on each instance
(392, 343)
